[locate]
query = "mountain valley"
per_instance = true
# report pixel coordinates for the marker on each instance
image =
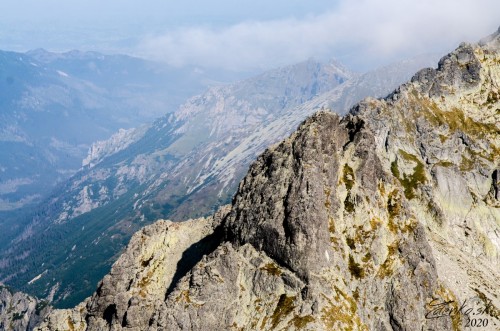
(55, 105)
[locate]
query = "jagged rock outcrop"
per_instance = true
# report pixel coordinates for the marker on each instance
(20, 312)
(385, 219)
(158, 256)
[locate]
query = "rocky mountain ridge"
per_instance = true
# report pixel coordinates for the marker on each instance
(185, 164)
(373, 221)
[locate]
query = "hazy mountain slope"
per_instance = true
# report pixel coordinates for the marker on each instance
(54, 106)
(33, 100)
(373, 221)
(144, 90)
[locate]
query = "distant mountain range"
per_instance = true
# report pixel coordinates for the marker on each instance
(184, 164)
(54, 106)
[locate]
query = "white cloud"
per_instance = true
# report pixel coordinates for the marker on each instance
(360, 32)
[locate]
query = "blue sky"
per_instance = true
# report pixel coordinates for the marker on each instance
(248, 35)
(168, 12)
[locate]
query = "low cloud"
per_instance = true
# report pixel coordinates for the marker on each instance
(360, 33)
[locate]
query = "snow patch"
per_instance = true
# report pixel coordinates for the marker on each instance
(37, 277)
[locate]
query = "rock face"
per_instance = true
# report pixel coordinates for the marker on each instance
(385, 219)
(19, 311)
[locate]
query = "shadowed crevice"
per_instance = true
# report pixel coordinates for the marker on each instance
(110, 314)
(194, 254)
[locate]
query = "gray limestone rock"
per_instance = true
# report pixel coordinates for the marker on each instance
(19, 312)
(276, 208)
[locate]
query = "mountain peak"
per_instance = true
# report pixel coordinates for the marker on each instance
(493, 39)
(362, 222)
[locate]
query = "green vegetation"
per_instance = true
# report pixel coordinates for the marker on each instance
(184, 295)
(456, 119)
(349, 203)
(90, 260)
(355, 294)
(301, 321)
(489, 308)
(394, 208)
(341, 313)
(355, 268)
(98, 237)
(272, 269)
(331, 225)
(367, 257)
(394, 169)
(445, 164)
(410, 182)
(385, 269)
(466, 164)
(375, 222)
(348, 177)
(493, 97)
(327, 201)
(446, 295)
(350, 242)
(283, 308)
